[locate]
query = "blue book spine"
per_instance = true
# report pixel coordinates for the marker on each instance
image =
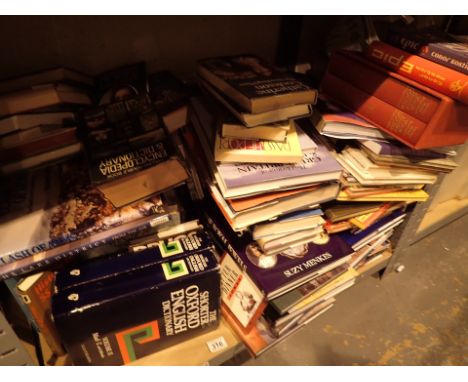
(103, 268)
(441, 50)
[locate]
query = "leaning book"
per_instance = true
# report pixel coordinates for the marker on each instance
(70, 211)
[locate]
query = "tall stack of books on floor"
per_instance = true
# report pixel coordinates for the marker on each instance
(119, 191)
(97, 247)
(305, 209)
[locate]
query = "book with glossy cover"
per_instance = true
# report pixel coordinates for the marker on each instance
(122, 137)
(120, 83)
(104, 268)
(170, 97)
(70, 210)
(240, 294)
(125, 318)
(447, 125)
(252, 120)
(277, 274)
(433, 45)
(254, 84)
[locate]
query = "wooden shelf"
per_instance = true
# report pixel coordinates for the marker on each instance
(195, 352)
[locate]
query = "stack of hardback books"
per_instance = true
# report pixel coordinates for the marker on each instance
(165, 293)
(390, 135)
(37, 118)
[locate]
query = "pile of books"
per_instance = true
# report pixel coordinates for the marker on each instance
(89, 214)
(37, 120)
(263, 198)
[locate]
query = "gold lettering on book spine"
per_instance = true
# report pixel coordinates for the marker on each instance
(457, 86)
(413, 102)
(401, 124)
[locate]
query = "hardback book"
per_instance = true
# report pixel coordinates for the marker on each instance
(253, 84)
(51, 157)
(26, 143)
(266, 117)
(368, 173)
(170, 97)
(36, 292)
(120, 83)
(242, 150)
(414, 114)
(100, 269)
(122, 137)
(431, 44)
(309, 198)
(240, 294)
(276, 274)
(438, 77)
(26, 121)
(335, 122)
(49, 76)
(125, 318)
(70, 210)
(317, 165)
(283, 303)
(337, 227)
(42, 98)
(273, 132)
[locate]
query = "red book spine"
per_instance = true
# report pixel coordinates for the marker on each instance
(445, 80)
(408, 99)
(385, 116)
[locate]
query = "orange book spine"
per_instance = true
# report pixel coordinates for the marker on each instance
(445, 80)
(385, 116)
(356, 70)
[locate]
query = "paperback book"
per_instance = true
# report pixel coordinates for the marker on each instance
(163, 304)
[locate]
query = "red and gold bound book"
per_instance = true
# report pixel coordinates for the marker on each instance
(438, 77)
(374, 101)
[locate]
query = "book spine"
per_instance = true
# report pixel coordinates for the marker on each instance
(38, 300)
(449, 54)
(447, 81)
(387, 117)
(172, 248)
(390, 90)
(35, 262)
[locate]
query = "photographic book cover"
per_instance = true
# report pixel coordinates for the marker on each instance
(252, 76)
(273, 274)
(71, 209)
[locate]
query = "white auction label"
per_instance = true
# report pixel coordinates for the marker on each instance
(217, 344)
